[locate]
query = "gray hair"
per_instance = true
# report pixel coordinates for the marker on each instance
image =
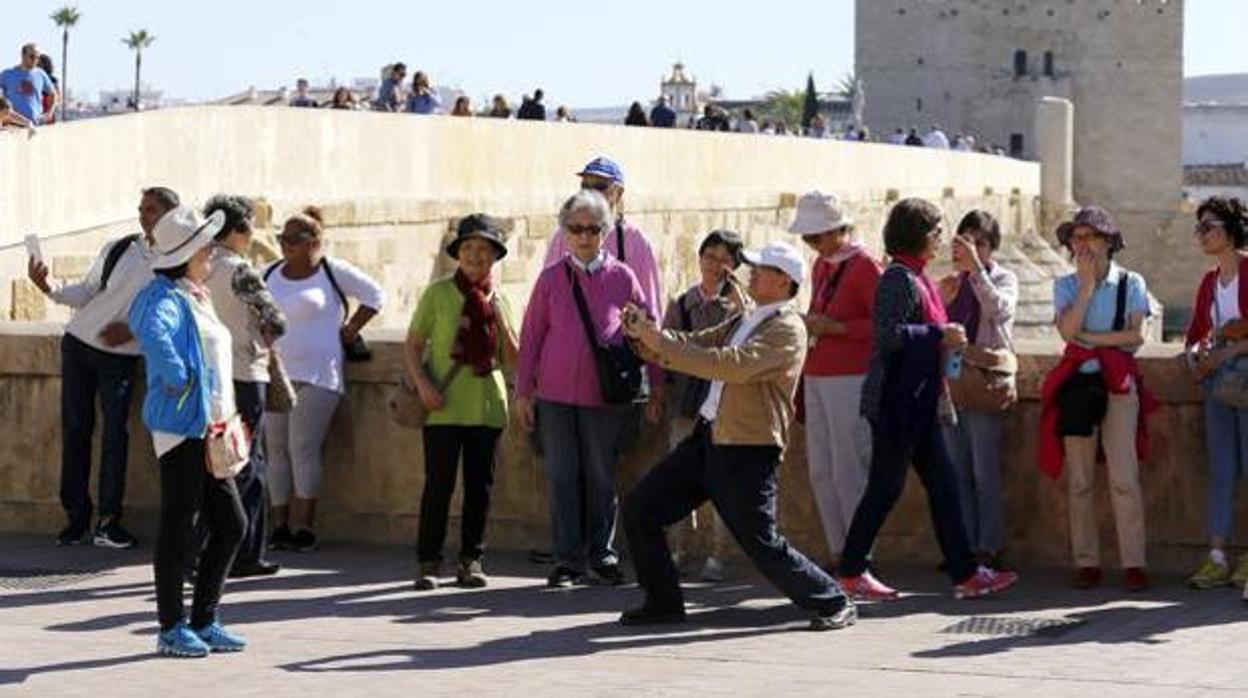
(586, 200)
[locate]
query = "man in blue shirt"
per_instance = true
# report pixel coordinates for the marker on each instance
(25, 85)
(662, 116)
(388, 97)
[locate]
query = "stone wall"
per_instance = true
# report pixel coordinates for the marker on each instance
(373, 472)
(392, 186)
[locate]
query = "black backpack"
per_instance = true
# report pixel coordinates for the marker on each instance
(113, 256)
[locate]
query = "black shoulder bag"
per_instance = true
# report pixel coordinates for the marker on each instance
(1083, 399)
(619, 368)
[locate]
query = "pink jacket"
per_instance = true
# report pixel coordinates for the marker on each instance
(556, 363)
(638, 256)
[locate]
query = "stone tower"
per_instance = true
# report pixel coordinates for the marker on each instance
(981, 66)
(681, 91)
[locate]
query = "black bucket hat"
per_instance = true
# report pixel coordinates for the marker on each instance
(478, 225)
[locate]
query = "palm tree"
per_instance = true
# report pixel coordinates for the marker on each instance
(784, 105)
(137, 41)
(66, 18)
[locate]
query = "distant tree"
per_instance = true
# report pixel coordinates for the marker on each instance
(847, 86)
(810, 102)
(782, 105)
(137, 41)
(65, 18)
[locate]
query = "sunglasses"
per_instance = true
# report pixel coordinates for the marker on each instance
(1206, 227)
(579, 230)
(292, 240)
(600, 187)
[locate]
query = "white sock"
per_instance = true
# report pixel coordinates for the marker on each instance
(1218, 556)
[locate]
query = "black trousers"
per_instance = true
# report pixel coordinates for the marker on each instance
(444, 446)
(187, 489)
(85, 373)
(252, 482)
(891, 458)
(741, 482)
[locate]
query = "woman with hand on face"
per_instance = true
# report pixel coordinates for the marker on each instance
(1095, 400)
(981, 295)
(906, 400)
(461, 333)
(705, 304)
(838, 437)
(1218, 336)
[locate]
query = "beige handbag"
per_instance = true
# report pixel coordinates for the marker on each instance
(229, 447)
(988, 382)
(406, 407)
(280, 396)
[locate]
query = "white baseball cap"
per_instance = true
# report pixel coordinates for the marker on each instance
(778, 255)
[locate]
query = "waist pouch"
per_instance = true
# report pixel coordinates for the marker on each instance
(1083, 401)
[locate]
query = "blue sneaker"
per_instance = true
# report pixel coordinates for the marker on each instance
(218, 639)
(179, 641)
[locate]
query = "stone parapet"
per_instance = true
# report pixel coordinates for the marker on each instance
(374, 473)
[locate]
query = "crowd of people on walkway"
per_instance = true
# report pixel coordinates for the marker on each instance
(888, 368)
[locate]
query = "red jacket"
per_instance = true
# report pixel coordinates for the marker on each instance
(1202, 315)
(1119, 369)
(848, 354)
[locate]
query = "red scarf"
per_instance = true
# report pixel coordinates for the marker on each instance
(933, 307)
(476, 342)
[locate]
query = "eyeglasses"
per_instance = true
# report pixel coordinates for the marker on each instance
(292, 240)
(600, 187)
(1206, 227)
(579, 230)
(1085, 237)
(936, 232)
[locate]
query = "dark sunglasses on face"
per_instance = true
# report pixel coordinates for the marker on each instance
(291, 240)
(600, 187)
(579, 230)
(1206, 227)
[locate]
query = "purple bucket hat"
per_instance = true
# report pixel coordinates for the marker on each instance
(1099, 220)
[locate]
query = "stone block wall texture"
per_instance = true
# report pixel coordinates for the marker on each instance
(374, 472)
(391, 187)
(952, 62)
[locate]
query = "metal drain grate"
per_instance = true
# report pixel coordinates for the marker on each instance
(42, 580)
(1013, 627)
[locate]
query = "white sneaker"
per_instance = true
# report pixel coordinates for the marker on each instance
(713, 570)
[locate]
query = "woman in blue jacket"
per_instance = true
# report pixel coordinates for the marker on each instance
(188, 357)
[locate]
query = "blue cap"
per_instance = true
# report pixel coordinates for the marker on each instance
(603, 167)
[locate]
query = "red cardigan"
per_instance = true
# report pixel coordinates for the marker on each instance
(1119, 369)
(848, 354)
(1202, 319)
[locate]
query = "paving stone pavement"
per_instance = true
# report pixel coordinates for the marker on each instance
(345, 621)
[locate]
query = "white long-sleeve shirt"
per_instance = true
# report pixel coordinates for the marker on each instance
(95, 309)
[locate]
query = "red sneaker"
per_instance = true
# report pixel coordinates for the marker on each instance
(1135, 579)
(983, 583)
(865, 587)
(1087, 578)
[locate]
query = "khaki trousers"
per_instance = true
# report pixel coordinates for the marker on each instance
(1117, 437)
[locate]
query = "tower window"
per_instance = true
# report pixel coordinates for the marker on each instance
(918, 104)
(1016, 145)
(1020, 63)
(1048, 64)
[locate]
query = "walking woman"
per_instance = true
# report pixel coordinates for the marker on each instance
(1217, 337)
(1094, 400)
(245, 306)
(187, 355)
(461, 333)
(906, 400)
(981, 296)
(706, 304)
(558, 390)
(838, 437)
(313, 291)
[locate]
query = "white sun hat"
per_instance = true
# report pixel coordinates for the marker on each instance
(818, 213)
(180, 233)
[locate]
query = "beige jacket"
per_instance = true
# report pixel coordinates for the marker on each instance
(760, 376)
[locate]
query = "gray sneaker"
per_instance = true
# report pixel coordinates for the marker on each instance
(427, 575)
(471, 575)
(847, 616)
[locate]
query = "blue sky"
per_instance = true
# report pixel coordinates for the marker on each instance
(583, 55)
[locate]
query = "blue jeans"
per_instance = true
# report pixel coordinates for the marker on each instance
(581, 448)
(1226, 435)
(975, 446)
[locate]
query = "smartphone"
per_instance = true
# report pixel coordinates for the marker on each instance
(32, 247)
(953, 365)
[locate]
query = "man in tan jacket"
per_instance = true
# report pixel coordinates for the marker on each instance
(753, 361)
